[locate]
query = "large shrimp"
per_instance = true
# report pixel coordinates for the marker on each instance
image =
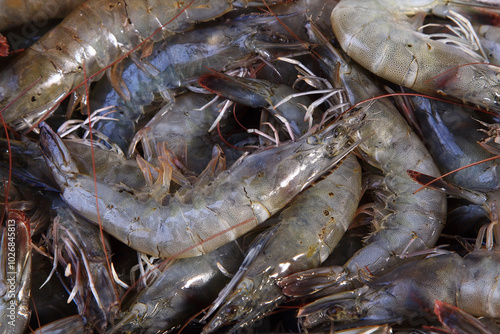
(198, 220)
(410, 291)
(377, 35)
(308, 231)
(91, 37)
(405, 222)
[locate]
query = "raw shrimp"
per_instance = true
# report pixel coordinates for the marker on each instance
(308, 231)
(181, 290)
(93, 36)
(197, 220)
(177, 61)
(404, 221)
(18, 12)
(452, 135)
(410, 291)
(378, 36)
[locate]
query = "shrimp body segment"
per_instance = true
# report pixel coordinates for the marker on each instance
(378, 36)
(198, 220)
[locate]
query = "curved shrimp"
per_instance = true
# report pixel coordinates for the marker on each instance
(93, 36)
(307, 233)
(410, 291)
(378, 36)
(405, 222)
(198, 220)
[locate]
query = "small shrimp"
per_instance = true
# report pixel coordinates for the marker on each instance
(308, 231)
(181, 290)
(405, 221)
(410, 291)
(378, 36)
(197, 220)
(93, 36)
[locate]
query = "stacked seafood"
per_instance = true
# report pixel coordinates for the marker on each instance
(251, 166)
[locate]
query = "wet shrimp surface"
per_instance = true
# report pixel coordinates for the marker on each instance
(247, 166)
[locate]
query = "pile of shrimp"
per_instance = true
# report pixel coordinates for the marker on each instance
(250, 166)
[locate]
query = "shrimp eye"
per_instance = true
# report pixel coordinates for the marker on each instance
(313, 140)
(230, 311)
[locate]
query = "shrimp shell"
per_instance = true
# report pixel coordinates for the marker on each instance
(206, 217)
(376, 34)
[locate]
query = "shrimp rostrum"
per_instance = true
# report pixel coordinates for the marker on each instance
(199, 219)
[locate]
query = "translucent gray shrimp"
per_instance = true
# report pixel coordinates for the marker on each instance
(175, 62)
(378, 35)
(93, 36)
(404, 221)
(180, 291)
(410, 291)
(196, 220)
(308, 231)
